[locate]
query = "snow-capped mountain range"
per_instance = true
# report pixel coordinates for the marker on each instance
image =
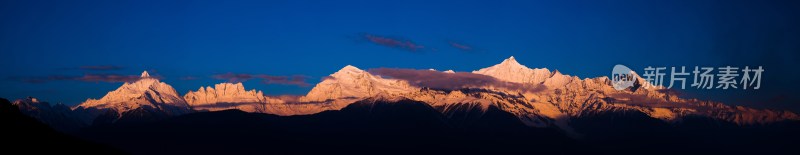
(549, 98)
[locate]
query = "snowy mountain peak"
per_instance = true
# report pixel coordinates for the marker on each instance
(147, 93)
(145, 74)
(350, 72)
(351, 82)
(512, 71)
(349, 69)
(510, 60)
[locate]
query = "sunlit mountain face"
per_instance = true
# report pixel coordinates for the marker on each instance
(411, 77)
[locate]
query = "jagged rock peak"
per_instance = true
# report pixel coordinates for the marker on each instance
(556, 73)
(145, 74)
(510, 60)
(30, 99)
(512, 71)
(224, 93)
(30, 103)
(148, 93)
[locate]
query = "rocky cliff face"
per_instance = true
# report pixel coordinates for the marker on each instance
(222, 93)
(225, 96)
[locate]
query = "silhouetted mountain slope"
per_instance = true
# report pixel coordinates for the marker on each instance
(383, 125)
(633, 132)
(365, 127)
(22, 133)
(57, 116)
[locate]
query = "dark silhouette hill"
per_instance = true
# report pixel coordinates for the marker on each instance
(366, 127)
(26, 134)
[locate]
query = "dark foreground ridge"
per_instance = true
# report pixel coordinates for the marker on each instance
(22, 133)
(411, 127)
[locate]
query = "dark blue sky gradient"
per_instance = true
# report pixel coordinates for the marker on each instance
(315, 38)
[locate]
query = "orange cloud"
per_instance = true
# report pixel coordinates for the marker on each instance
(298, 80)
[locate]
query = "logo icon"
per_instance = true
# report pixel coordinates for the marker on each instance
(622, 77)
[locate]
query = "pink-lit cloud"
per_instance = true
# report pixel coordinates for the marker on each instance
(95, 68)
(41, 79)
(101, 68)
(186, 78)
(393, 42)
(328, 78)
(231, 77)
(451, 81)
(460, 46)
(110, 78)
(298, 80)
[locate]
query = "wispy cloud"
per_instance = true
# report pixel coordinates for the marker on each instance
(460, 46)
(41, 79)
(110, 78)
(298, 80)
(101, 68)
(328, 78)
(393, 42)
(231, 77)
(451, 81)
(95, 68)
(186, 78)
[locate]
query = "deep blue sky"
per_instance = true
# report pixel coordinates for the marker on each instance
(315, 38)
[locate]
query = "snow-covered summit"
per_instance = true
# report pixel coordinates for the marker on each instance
(148, 93)
(512, 71)
(353, 82)
(145, 74)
